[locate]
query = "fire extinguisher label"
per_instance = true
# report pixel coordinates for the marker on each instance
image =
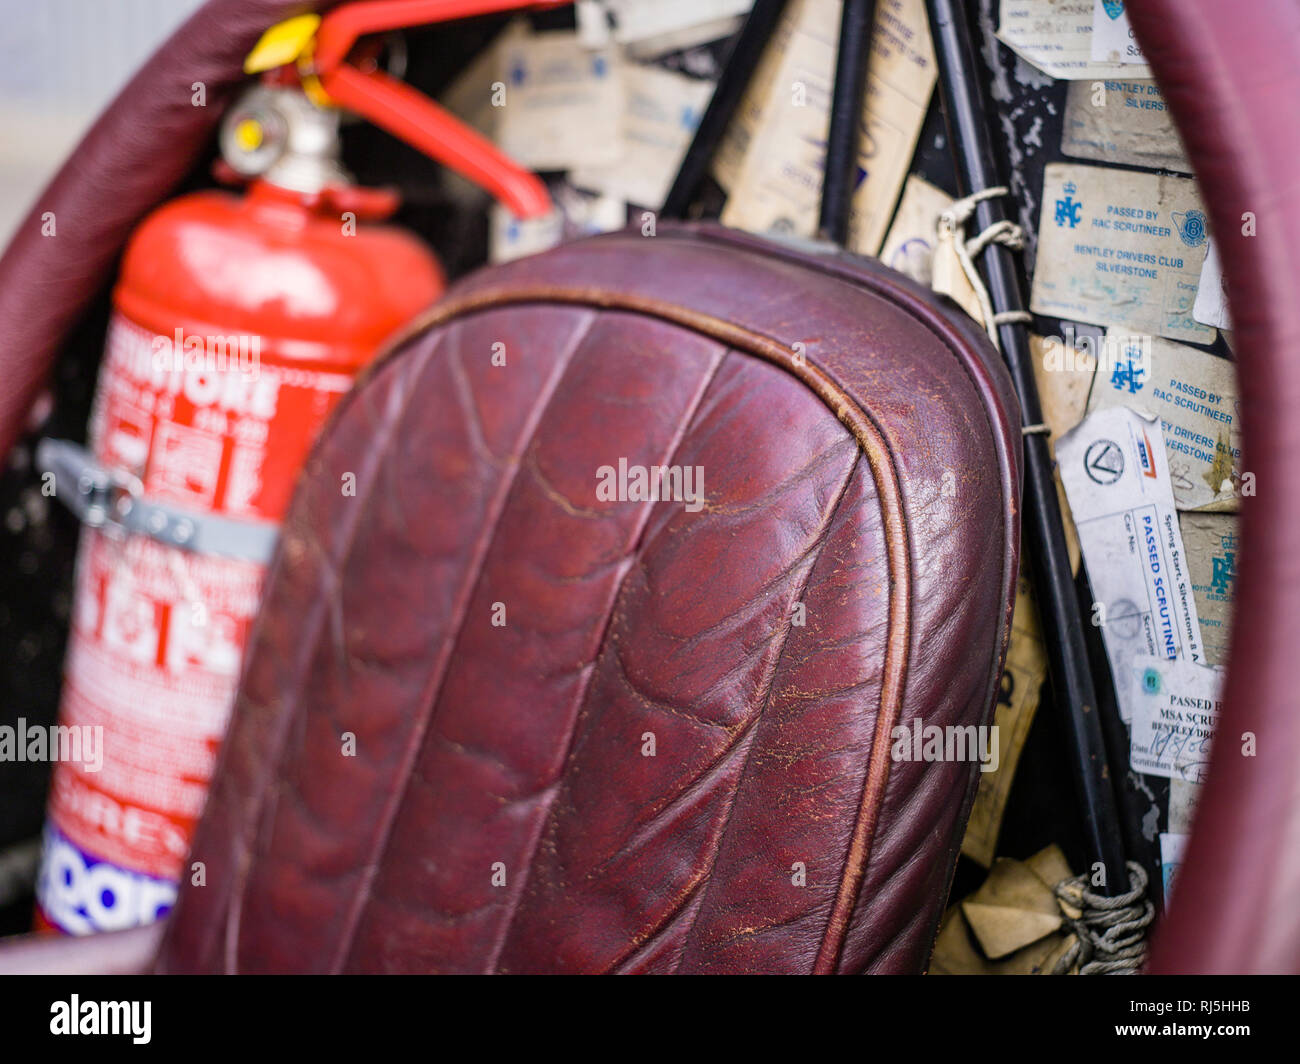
(82, 894)
(208, 422)
(158, 633)
(153, 659)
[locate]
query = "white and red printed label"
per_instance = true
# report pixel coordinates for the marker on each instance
(207, 422)
(153, 658)
(158, 633)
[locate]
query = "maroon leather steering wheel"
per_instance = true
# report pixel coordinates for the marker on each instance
(1231, 74)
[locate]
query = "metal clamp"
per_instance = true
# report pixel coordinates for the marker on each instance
(113, 500)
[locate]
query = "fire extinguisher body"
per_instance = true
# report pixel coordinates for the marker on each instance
(309, 293)
(239, 321)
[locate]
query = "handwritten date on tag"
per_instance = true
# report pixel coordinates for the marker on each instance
(1072, 39)
(1175, 715)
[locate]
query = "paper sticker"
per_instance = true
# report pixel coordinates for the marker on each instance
(638, 21)
(1121, 122)
(662, 111)
(1211, 306)
(1057, 37)
(513, 238)
(1112, 37)
(1212, 542)
(1064, 374)
(1171, 856)
(754, 104)
(1122, 248)
(1013, 909)
(1176, 708)
(576, 214)
(917, 248)
(1022, 682)
(693, 40)
(593, 22)
(1183, 797)
(1195, 396)
(948, 275)
(957, 952)
(1064, 367)
(469, 96)
(562, 102)
(909, 247)
(778, 183)
(1116, 476)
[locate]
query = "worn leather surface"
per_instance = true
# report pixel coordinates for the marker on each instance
(876, 485)
(141, 148)
(1231, 74)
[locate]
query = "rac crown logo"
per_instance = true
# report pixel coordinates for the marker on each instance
(1068, 209)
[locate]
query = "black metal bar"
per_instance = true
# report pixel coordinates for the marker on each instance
(856, 21)
(969, 127)
(732, 82)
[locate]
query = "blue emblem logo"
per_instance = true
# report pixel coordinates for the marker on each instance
(1129, 374)
(1225, 567)
(1114, 8)
(1068, 209)
(1191, 227)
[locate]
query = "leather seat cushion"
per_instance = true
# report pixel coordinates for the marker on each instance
(501, 812)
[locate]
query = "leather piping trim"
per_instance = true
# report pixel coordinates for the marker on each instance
(980, 378)
(873, 445)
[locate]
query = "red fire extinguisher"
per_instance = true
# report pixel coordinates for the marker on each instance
(239, 321)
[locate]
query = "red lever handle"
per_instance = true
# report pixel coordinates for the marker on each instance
(406, 113)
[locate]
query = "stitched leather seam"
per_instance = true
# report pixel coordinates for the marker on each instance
(431, 694)
(770, 682)
(903, 298)
(888, 491)
(980, 378)
(674, 445)
(227, 927)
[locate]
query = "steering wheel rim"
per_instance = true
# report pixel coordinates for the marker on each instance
(114, 177)
(1231, 76)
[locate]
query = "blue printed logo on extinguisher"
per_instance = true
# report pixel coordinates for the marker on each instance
(81, 894)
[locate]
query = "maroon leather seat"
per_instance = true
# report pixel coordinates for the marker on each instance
(597, 735)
